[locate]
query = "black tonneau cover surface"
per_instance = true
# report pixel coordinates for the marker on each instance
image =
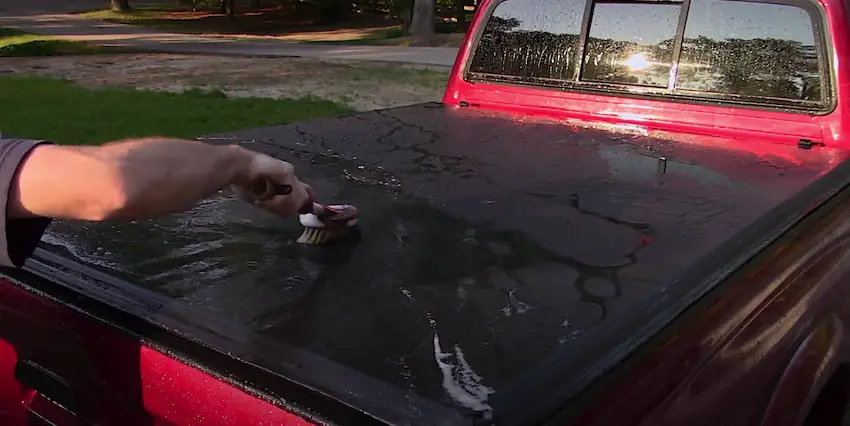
(503, 262)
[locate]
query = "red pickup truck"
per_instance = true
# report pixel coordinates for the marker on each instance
(622, 213)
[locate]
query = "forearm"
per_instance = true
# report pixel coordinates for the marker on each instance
(127, 179)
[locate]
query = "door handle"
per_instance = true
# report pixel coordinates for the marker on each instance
(52, 400)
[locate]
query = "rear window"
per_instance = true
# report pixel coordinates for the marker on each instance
(764, 53)
(522, 39)
(754, 49)
(631, 43)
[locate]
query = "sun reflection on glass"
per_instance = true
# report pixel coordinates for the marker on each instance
(637, 62)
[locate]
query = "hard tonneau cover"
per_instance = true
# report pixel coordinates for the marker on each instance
(503, 264)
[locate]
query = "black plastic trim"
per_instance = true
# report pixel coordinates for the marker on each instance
(582, 41)
(567, 372)
(47, 383)
(829, 208)
(677, 44)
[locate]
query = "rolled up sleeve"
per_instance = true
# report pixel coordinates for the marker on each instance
(18, 237)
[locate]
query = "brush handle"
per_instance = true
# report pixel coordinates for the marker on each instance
(264, 189)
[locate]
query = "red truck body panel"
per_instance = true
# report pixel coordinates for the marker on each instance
(124, 381)
(768, 347)
(744, 124)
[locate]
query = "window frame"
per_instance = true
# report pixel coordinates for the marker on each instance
(823, 47)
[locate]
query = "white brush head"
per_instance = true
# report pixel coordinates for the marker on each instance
(310, 220)
(338, 221)
(341, 212)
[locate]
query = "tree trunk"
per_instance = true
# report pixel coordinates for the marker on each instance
(404, 10)
(406, 15)
(460, 15)
(121, 5)
(226, 7)
(422, 23)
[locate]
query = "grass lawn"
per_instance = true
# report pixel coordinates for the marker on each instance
(63, 112)
(14, 43)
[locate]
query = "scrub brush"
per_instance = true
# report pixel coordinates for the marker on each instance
(327, 223)
(321, 224)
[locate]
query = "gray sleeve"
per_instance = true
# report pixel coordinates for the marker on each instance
(18, 237)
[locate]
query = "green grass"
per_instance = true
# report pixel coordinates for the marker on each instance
(160, 11)
(157, 16)
(14, 43)
(64, 112)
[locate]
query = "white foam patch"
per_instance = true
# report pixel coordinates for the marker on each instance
(99, 259)
(460, 382)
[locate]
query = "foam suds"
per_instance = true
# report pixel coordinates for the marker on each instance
(515, 305)
(460, 382)
(194, 249)
(56, 240)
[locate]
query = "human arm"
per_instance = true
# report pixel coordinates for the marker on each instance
(140, 178)
(18, 237)
(131, 179)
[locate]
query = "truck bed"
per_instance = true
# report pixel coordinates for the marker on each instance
(503, 262)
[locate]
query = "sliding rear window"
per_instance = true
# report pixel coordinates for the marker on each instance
(531, 38)
(726, 50)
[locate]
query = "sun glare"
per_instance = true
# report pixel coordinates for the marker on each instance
(637, 62)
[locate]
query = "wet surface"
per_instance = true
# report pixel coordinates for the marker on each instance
(486, 241)
(764, 51)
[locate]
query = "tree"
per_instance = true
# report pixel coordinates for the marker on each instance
(226, 6)
(460, 15)
(403, 9)
(120, 5)
(424, 17)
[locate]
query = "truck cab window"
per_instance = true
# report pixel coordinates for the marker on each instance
(749, 49)
(736, 51)
(631, 43)
(531, 39)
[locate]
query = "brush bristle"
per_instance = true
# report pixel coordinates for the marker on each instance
(321, 235)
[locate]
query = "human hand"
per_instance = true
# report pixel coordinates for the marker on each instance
(272, 185)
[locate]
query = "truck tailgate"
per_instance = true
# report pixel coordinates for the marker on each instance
(504, 262)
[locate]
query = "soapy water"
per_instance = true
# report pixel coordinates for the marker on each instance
(460, 382)
(473, 255)
(226, 257)
(67, 242)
